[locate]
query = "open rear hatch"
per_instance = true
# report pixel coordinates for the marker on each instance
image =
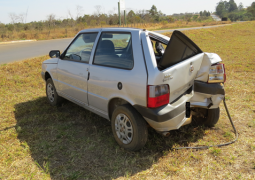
(179, 65)
(179, 48)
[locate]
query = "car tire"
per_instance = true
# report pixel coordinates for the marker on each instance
(52, 96)
(206, 117)
(129, 128)
(213, 116)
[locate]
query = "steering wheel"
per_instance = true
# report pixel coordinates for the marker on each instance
(75, 57)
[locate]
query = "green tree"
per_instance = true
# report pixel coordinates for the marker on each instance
(110, 22)
(221, 9)
(233, 16)
(205, 13)
(153, 11)
(195, 18)
(251, 10)
(131, 14)
(2, 25)
(10, 27)
(226, 5)
(92, 22)
(170, 19)
(232, 6)
(240, 7)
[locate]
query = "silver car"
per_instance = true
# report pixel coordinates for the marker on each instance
(135, 78)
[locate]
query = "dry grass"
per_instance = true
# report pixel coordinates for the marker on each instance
(70, 32)
(38, 141)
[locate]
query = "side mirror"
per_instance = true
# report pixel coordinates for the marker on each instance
(54, 54)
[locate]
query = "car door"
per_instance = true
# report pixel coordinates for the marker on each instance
(73, 68)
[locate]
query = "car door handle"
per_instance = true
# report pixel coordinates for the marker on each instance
(88, 75)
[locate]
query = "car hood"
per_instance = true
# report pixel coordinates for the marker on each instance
(51, 61)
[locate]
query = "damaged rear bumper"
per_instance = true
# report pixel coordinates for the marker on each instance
(206, 95)
(168, 117)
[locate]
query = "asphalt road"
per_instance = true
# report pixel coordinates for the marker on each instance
(23, 50)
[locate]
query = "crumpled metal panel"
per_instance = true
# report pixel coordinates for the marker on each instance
(208, 60)
(205, 100)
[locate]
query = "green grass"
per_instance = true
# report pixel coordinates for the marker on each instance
(38, 141)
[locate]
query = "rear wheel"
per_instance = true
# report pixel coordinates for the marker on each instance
(53, 98)
(129, 128)
(206, 117)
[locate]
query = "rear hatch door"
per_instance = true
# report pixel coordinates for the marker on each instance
(179, 48)
(179, 64)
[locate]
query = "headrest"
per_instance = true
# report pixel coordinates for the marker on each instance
(106, 47)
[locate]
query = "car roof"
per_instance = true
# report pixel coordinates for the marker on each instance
(124, 29)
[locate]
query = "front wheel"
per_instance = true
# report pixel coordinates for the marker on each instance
(53, 98)
(129, 128)
(207, 117)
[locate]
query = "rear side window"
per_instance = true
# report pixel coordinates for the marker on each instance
(80, 49)
(114, 49)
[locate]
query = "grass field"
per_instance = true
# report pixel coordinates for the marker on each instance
(69, 32)
(38, 141)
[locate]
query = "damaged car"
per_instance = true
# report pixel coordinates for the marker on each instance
(137, 78)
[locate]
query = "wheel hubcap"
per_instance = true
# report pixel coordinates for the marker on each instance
(50, 92)
(123, 128)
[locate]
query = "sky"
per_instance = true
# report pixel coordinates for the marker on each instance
(39, 10)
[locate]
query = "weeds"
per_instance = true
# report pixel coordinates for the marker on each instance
(252, 123)
(215, 151)
(228, 135)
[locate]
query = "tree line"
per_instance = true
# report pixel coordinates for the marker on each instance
(229, 9)
(79, 20)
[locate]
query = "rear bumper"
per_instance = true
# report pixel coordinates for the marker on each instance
(208, 96)
(168, 117)
(171, 124)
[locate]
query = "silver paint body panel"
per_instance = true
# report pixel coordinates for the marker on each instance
(72, 79)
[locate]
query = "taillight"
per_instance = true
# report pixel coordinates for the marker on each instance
(157, 95)
(217, 74)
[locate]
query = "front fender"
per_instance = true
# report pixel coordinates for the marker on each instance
(50, 66)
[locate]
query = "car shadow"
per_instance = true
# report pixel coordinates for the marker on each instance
(69, 142)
